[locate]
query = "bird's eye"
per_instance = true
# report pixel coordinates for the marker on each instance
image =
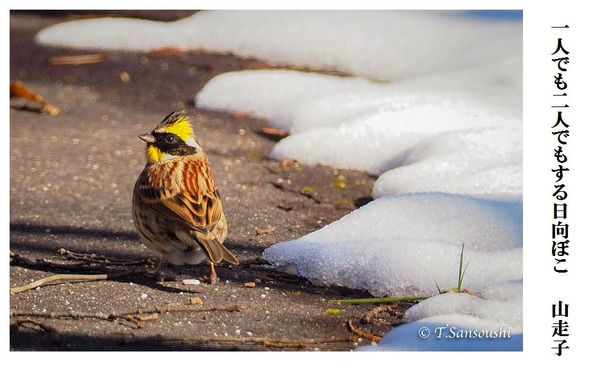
(171, 139)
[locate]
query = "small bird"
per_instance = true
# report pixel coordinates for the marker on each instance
(177, 209)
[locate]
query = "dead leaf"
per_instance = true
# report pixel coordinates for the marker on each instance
(19, 90)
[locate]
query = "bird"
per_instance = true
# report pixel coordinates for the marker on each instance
(176, 206)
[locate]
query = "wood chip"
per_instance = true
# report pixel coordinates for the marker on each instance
(274, 132)
(268, 230)
(124, 76)
(195, 300)
(149, 317)
(241, 114)
(290, 163)
(250, 284)
(168, 51)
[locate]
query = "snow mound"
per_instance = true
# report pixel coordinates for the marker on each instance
(407, 244)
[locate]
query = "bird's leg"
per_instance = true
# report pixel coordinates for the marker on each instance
(213, 274)
(212, 279)
(156, 274)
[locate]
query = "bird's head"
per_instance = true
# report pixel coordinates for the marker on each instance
(174, 136)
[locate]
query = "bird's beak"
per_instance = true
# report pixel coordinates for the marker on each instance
(148, 138)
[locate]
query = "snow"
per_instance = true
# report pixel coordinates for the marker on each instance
(354, 124)
(437, 119)
(438, 334)
(361, 43)
(403, 245)
(486, 162)
(459, 322)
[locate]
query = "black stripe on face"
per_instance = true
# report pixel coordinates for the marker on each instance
(172, 144)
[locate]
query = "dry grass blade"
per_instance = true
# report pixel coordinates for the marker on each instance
(81, 59)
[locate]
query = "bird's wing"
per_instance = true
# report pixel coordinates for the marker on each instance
(193, 202)
(190, 198)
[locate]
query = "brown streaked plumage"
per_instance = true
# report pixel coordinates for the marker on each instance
(177, 208)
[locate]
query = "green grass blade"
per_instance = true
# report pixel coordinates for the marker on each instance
(461, 274)
(386, 300)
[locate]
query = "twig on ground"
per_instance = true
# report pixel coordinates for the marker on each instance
(303, 344)
(368, 318)
(265, 341)
(57, 278)
(135, 316)
(308, 194)
(189, 309)
(361, 333)
(137, 319)
(94, 258)
(77, 261)
(84, 263)
(55, 335)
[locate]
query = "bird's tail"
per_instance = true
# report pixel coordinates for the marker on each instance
(217, 252)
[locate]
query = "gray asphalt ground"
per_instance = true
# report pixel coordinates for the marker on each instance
(71, 178)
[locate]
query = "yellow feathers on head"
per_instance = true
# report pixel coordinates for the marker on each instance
(174, 136)
(176, 123)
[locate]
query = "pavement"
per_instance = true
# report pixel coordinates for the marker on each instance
(71, 179)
